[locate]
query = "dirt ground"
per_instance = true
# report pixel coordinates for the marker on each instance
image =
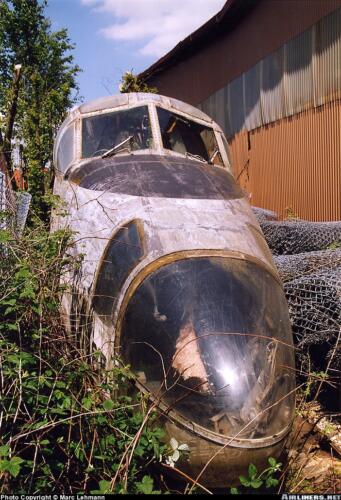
(314, 457)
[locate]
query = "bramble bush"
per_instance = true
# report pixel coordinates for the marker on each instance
(64, 427)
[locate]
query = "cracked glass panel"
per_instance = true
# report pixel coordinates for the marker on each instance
(212, 336)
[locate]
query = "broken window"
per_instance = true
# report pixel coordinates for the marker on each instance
(121, 256)
(212, 335)
(129, 127)
(187, 137)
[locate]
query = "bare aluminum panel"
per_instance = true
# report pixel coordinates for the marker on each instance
(272, 89)
(252, 82)
(327, 59)
(236, 107)
(298, 75)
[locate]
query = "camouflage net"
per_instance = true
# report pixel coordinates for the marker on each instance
(311, 277)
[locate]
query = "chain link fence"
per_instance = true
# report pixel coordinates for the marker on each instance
(14, 205)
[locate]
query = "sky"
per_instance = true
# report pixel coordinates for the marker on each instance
(114, 36)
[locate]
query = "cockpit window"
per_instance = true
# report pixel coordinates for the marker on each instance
(66, 152)
(212, 335)
(129, 128)
(122, 254)
(187, 137)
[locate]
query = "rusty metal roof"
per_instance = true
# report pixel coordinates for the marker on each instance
(222, 22)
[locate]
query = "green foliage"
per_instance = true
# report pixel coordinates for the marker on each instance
(64, 426)
(47, 89)
(313, 379)
(334, 246)
(291, 214)
(255, 480)
(146, 486)
(132, 83)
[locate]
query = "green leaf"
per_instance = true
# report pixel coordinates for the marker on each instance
(39, 424)
(87, 402)
(101, 420)
(8, 310)
(9, 302)
(12, 326)
(252, 471)
(244, 481)
(4, 236)
(79, 453)
(139, 451)
(105, 486)
(111, 440)
(271, 481)
(256, 483)
(272, 461)
(146, 485)
(108, 404)
(13, 466)
(234, 491)
(4, 451)
(4, 465)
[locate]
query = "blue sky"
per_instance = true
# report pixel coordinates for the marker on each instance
(113, 36)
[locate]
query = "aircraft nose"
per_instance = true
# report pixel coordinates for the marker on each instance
(212, 336)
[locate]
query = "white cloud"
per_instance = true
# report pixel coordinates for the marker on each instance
(157, 24)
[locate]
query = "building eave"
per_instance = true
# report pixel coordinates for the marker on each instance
(224, 21)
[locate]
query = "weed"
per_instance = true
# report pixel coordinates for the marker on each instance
(64, 428)
(255, 480)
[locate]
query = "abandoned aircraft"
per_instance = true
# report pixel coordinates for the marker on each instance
(177, 278)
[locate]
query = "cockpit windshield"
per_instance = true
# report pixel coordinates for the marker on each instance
(189, 138)
(212, 336)
(111, 133)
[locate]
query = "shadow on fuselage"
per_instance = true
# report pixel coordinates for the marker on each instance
(156, 176)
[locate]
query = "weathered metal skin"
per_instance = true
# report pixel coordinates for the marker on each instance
(165, 211)
(158, 176)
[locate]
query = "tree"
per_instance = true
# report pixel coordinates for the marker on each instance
(133, 83)
(47, 89)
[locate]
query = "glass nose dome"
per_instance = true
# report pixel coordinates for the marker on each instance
(212, 336)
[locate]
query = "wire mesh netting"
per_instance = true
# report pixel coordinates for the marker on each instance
(300, 236)
(315, 310)
(308, 258)
(299, 265)
(14, 206)
(264, 215)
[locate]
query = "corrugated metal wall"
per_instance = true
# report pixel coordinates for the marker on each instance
(304, 72)
(193, 77)
(294, 163)
(282, 118)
